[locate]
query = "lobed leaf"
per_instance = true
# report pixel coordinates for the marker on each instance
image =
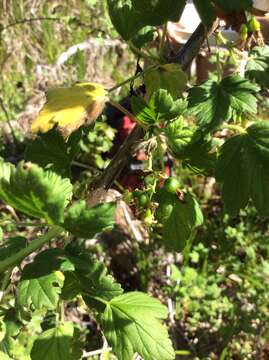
(214, 102)
(54, 344)
(131, 323)
(242, 168)
(160, 107)
(36, 192)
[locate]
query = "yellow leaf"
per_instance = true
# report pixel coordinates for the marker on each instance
(70, 108)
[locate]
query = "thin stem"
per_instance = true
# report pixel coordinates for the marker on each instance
(163, 39)
(132, 78)
(33, 246)
(24, 21)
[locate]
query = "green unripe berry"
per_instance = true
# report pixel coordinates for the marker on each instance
(254, 25)
(143, 200)
(171, 185)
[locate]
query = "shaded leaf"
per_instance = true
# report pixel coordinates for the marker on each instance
(242, 168)
(54, 344)
(50, 150)
(169, 77)
(179, 218)
(87, 222)
(131, 323)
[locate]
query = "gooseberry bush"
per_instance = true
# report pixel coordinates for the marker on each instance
(210, 129)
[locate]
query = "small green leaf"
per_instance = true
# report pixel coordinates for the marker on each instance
(87, 222)
(50, 150)
(179, 218)
(160, 107)
(214, 102)
(169, 77)
(54, 344)
(242, 168)
(36, 192)
(40, 284)
(131, 323)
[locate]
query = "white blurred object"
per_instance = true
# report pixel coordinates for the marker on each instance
(189, 21)
(262, 5)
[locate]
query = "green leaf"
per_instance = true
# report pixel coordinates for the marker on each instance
(234, 5)
(160, 107)
(36, 192)
(242, 168)
(169, 77)
(131, 323)
(190, 146)
(87, 222)
(178, 137)
(50, 150)
(40, 284)
(157, 12)
(206, 11)
(90, 277)
(179, 218)
(54, 344)
(214, 102)
(126, 20)
(257, 67)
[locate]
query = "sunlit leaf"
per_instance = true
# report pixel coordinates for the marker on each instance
(71, 107)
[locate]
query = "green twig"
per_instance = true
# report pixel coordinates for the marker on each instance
(33, 246)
